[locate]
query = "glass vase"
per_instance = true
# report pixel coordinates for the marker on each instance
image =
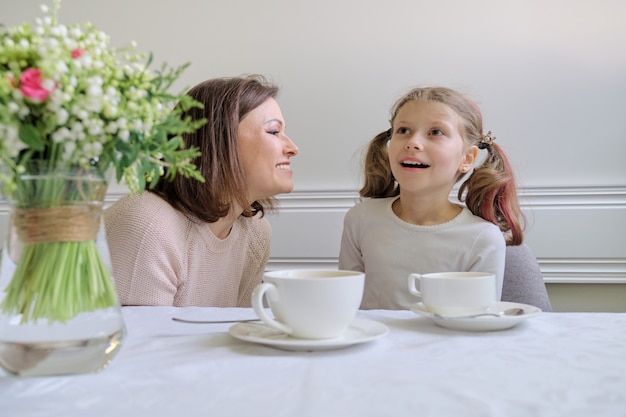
(59, 313)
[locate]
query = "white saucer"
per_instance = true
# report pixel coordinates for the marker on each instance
(484, 323)
(360, 331)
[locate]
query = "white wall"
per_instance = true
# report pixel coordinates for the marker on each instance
(549, 75)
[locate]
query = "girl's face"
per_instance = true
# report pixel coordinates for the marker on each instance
(265, 149)
(426, 150)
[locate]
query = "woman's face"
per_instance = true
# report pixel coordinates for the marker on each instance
(265, 150)
(427, 151)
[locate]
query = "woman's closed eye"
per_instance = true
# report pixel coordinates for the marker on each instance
(274, 127)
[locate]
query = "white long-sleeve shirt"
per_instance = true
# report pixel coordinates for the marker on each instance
(388, 249)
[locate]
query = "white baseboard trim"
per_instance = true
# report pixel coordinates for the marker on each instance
(547, 196)
(555, 271)
(577, 233)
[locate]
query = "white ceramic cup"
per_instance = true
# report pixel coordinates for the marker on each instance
(455, 293)
(310, 303)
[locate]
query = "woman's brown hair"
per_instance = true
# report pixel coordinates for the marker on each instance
(226, 101)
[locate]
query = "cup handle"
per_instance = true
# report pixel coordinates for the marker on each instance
(269, 290)
(412, 289)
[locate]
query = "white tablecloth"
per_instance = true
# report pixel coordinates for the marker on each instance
(555, 364)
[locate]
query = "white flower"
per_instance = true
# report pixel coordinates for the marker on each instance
(109, 110)
(123, 134)
(89, 84)
(86, 61)
(23, 112)
(68, 150)
(62, 116)
(96, 148)
(60, 31)
(80, 113)
(55, 101)
(61, 135)
(62, 67)
(94, 90)
(75, 32)
(48, 84)
(96, 80)
(10, 133)
(94, 127)
(70, 43)
(11, 140)
(111, 128)
(76, 127)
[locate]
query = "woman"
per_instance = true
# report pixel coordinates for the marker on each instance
(189, 243)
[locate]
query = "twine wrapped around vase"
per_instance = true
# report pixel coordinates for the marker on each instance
(57, 224)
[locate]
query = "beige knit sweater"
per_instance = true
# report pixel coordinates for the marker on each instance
(160, 257)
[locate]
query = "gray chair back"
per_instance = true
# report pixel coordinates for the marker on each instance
(523, 280)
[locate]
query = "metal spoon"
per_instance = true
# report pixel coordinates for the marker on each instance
(509, 312)
(211, 321)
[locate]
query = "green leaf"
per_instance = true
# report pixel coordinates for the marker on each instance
(31, 137)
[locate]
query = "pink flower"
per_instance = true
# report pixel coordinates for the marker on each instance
(31, 85)
(77, 53)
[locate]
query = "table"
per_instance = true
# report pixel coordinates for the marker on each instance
(554, 364)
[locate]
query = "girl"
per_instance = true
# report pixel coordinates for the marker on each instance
(406, 222)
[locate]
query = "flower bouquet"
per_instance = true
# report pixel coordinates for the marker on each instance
(73, 111)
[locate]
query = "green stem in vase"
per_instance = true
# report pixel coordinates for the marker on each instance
(59, 280)
(60, 273)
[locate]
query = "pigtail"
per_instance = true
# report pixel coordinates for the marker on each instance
(379, 181)
(491, 193)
